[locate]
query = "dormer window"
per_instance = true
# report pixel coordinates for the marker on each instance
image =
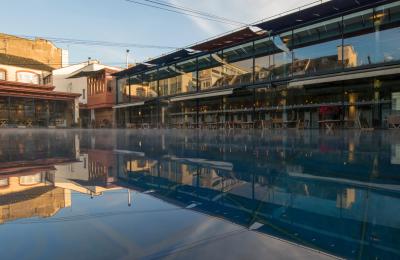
(27, 77)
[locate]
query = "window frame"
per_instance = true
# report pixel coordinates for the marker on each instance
(28, 72)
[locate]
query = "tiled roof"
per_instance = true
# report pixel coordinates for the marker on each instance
(22, 62)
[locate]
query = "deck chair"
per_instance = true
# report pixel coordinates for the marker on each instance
(363, 124)
(302, 124)
(394, 122)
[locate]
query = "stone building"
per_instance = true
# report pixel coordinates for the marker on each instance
(41, 50)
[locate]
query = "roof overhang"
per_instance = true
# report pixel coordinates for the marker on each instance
(229, 39)
(133, 70)
(171, 57)
(86, 74)
(14, 89)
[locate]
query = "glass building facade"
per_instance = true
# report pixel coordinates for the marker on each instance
(277, 79)
(16, 111)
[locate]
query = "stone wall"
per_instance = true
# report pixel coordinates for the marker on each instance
(39, 49)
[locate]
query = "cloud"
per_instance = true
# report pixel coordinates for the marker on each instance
(246, 11)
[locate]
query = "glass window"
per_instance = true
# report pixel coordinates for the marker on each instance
(372, 48)
(282, 60)
(387, 14)
(164, 87)
(329, 30)
(310, 55)
(137, 88)
(317, 58)
(188, 75)
(396, 101)
(238, 60)
(238, 53)
(281, 65)
(324, 96)
(219, 72)
(357, 22)
(173, 86)
(4, 182)
(123, 90)
(277, 64)
(283, 42)
(3, 108)
(27, 77)
(264, 46)
(263, 68)
(168, 81)
(17, 114)
(240, 100)
(2, 74)
(150, 83)
(204, 74)
(31, 179)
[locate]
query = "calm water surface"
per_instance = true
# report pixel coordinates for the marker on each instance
(199, 195)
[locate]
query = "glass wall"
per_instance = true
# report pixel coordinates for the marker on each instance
(238, 63)
(211, 110)
(15, 111)
(219, 72)
(317, 48)
(239, 106)
(361, 39)
(183, 114)
(273, 58)
(370, 38)
(357, 40)
(188, 75)
(3, 108)
(150, 83)
(168, 81)
(205, 79)
(123, 91)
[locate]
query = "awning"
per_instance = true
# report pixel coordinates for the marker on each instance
(346, 76)
(231, 38)
(202, 95)
(136, 104)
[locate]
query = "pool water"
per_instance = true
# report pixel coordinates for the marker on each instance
(189, 194)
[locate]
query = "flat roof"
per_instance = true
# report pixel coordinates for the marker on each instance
(312, 12)
(326, 9)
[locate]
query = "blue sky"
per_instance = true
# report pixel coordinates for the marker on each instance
(120, 21)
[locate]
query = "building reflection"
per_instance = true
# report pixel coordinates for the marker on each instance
(347, 208)
(30, 196)
(336, 193)
(39, 180)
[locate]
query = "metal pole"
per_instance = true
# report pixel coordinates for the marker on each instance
(129, 198)
(127, 59)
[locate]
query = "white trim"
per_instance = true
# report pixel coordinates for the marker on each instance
(202, 95)
(136, 104)
(350, 76)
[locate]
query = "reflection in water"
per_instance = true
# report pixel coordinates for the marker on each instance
(339, 194)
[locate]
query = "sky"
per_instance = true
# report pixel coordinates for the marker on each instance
(121, 21)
